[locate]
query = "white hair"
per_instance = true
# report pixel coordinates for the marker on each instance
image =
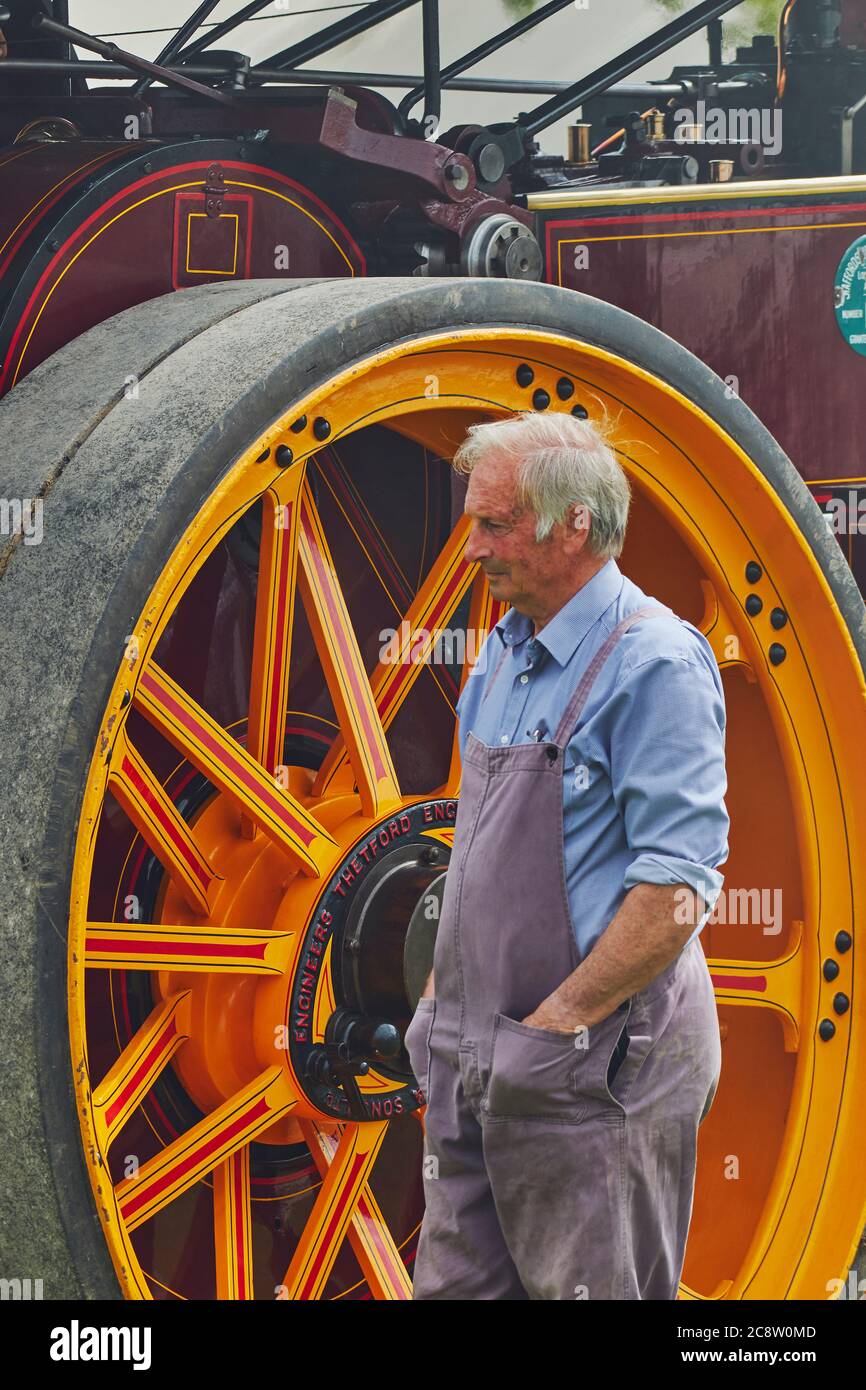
(562, 461)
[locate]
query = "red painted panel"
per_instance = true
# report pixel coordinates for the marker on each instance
(750, 290)
(145, 235)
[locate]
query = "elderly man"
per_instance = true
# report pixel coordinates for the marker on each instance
(567, 1040)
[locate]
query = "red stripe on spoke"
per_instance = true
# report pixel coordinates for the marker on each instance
(141, 1071)
(273, 754)
(168, 947)
(357, 1163)
(183, 848)
(348, 662)
(256, 785)
(383, 1250)
(753, 982)
(237, 1162)
(185, 1165)
(394, 686)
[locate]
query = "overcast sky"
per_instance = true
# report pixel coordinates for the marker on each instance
(565, 47)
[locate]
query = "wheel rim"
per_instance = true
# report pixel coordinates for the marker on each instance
(787, 719)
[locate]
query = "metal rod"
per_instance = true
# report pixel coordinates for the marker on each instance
(476, 55)
(666, 37)
(60, 12)
(715, 35)
(129, 60)
(432, 66)
(315, 77)
(205, 40)
(847, 134)
(177, 41)
(335, 34)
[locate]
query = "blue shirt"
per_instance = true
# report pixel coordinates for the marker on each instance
(644, 772)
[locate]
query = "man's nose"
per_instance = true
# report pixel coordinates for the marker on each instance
(476, 548)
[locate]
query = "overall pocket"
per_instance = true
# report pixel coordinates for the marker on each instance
(531, 1074)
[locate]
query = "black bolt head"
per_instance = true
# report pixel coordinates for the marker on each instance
(541, 399)
(753, 572)
(580, 411)
(777, 653)
(843, 942)
(841, 1003)
(778, 617)
(564, 388)
(284, 455)
(300, 424)
(525, 374)
(831, 968)
(321, 428)
(754, 604)
(826, 1029)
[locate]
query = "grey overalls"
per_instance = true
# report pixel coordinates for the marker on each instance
(556, 1166)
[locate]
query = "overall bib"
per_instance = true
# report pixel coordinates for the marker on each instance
(556, 1165)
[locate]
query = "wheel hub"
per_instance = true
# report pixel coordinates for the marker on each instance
(357, 955)
(362, 951)
(375, 940)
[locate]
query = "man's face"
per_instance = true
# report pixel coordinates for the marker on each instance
(520, 570)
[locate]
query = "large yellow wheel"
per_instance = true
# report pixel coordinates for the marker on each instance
(228, 809)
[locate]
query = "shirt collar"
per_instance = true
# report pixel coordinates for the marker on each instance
(565, 631)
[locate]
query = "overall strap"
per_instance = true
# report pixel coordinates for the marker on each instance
(587, 680)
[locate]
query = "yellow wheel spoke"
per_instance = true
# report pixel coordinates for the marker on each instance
(231, 769)
(161, 826)
(212, 950)
(342, 1188)
(774, 984)
(369, 1235)
(210, 1142)
(432, 608)
(343, 667)
(233, 1235)
(359, 519)
(138, 1066)
(272, 643)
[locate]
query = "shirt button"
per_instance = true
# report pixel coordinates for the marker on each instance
(523, 680)
(504, 738)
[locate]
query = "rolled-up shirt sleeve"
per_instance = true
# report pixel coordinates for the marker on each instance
(667, 768)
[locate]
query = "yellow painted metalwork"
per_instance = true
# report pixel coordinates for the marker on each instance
(698, 192)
